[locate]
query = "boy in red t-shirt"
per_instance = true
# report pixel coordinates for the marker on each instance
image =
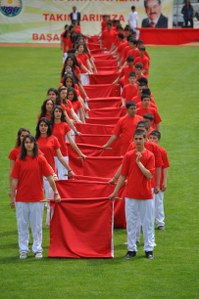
(138, 166)
(146, 108)
(159, 197)
(130, 90)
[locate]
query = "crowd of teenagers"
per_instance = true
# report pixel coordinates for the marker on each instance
(37, 162)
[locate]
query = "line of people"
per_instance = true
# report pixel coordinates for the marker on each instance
(68, 106)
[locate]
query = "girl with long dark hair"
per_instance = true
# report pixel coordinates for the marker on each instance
(27, 184)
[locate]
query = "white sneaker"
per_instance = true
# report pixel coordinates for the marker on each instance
(38, 255)
(23, 255)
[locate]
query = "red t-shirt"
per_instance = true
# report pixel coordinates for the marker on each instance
(166, 163)
(108, 38)
(129, 91)
(49, 145)
(142, 111)
(66, 107)
(76, 105)
(125, 129)
(125, 73)
(155, 149)
(29, 173)
(14, 153)
(133, 52)
(68, 45)
(144, 60)
(59, 131)
(138, 187)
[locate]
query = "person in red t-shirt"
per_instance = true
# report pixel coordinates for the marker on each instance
(108, 37)
(66, 43)
(27, 184)
(149, 119)
(142, 58)
(123, 78)
(67, 107)
(145, 108)
(130, 90)
(139, 71)
(124, 129)
(14, 153)
(49, 145)
(138, 167)
(159, 197)
(76, 104)
(61, 130)
(46, 109)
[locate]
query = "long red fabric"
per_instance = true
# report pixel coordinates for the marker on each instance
(160, 36)
(103, 120)
(94, 129)
(103, 76)
(82, 228)
(102, 90)
(82, 224)
(95, 103)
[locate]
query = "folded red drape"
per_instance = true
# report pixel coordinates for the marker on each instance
(103, 120)
(105, 62)
(95, 103)
(103, 77)
(92, 139)
(107, 112)
(104, 56)
(94, 129)
(82, 228)
(102, 90)
(91, 187)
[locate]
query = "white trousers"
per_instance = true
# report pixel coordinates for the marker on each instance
(29, 213)
(84, 78)
(143, 209)
(159, 209)
(62, 171)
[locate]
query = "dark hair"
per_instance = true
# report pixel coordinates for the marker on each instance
(75, 98)
(143, 80)
(156, 133)
(48, 123)
(18, 141)
(145, 95)
(132, 40)
(142, 123)
(53, 114)
(145, 2)
(130, 58)
(139, 65)
(130, 104)
(132, 74)
(52, 89)
(142, 48)
(121, 36)
(66, 77)
(146, 91)
(132, 7)
(58, 100)
(73, 58)
(23, 152)
(139, 132)
(149, 116)
(43, 107)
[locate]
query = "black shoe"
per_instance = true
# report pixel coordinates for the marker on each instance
(161, 227)
(130, 254)
(149, 255)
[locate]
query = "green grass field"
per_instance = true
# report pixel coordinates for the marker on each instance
(26, 74)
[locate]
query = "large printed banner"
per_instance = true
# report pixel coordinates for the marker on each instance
(42, 21)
